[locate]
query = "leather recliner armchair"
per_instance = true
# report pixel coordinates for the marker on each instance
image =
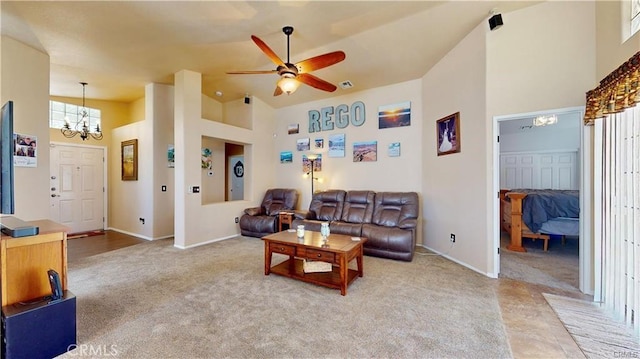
(263, 220)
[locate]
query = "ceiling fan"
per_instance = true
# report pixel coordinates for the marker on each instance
(291, 75)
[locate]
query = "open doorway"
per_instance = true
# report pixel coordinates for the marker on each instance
(534, 157)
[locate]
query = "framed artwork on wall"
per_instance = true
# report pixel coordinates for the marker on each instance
(365, 151)
(395, 115)
(303, 144)
(394, 149)
(336, 145)
(448, 134)
(130, 160)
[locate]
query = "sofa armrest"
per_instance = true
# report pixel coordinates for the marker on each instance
(253, 211)
(408, 223)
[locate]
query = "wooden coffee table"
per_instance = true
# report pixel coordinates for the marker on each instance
(339, 250)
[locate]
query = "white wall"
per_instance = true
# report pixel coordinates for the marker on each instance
(554, 70)
(454, 185)
(565, 135)
(197, 223)
(25, 81)
(159, 113)
(386, 174)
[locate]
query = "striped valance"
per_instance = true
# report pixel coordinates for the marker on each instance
(616, 92)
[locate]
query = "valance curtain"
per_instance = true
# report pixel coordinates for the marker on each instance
(618, 91)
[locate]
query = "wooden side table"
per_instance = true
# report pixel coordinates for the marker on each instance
(284, 218)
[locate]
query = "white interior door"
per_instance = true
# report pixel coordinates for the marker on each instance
(77, 187)
(236, 174)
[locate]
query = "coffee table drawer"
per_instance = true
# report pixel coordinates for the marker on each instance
(282, 248)
(320, 255)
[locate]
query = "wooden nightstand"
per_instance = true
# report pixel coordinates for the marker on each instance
(284, 218)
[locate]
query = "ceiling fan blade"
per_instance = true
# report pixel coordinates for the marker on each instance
(316, 82)
(252, 72)
(278, 91)
(320, 62)
(272, 55)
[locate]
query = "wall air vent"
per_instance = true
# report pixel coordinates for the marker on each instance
(346, 85)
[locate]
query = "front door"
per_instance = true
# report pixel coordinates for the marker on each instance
(77, 187)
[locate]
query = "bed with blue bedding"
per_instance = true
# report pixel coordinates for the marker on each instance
(537, 213)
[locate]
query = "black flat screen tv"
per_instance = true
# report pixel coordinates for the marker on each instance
(7, 205)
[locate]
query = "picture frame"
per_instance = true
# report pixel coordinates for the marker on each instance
(448, 134)
(129, 151)
(365, 151)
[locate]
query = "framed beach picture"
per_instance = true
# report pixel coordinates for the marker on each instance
(303, 144)
(394, 149)
(336, 145)
(286, 157)
(448, 134)
(129, 160)
(318, 143)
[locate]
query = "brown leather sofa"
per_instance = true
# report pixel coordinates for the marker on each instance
(387, 219)
(263, 220)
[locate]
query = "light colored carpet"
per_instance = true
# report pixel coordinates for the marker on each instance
(593, 329)
(155, 301)
(556, 268)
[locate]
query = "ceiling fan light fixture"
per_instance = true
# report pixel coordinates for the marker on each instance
(288, 85)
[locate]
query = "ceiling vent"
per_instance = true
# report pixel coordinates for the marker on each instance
(346, 85)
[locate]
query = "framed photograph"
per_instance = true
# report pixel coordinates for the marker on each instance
(25, 150)
(303, 144)
(293, 128)
(206, 161)
(448, 134)
(130, 160)
(318, 143)
(336, 145)
(306, 164)
(171, 156)
(396, 115)
(394, 149)
(365, 151)
(286, 157)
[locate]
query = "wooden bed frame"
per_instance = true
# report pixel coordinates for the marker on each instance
(511, 221)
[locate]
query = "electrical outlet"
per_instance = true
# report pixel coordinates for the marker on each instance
(237, 219)
(453, 238)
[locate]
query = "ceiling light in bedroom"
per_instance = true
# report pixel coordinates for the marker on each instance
(545, 120)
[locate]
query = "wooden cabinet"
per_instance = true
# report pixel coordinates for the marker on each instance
(24, 262)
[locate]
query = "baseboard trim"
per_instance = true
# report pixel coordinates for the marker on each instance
(207, 242)
(444, 255)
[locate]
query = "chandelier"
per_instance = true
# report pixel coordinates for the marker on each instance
(81, 126)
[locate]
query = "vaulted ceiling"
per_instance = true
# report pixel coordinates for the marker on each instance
(120, 46)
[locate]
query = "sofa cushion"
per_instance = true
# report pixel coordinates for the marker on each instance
(394, 209)
(327, 205)
(348, 229)
(358, 207)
